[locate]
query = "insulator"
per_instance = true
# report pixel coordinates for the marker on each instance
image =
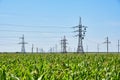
(82, 37)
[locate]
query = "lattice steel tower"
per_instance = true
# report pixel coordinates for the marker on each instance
(32, 48)
(61, 45)
(107, 42)
(64, 45)
(23, 44)
(81, 34)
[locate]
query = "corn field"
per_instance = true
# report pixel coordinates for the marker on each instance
(59, 66)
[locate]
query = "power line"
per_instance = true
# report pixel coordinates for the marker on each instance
(36, 37)
(17, 25)
(6, 44)
(31, 31)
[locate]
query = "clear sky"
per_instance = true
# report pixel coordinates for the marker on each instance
(45, 22)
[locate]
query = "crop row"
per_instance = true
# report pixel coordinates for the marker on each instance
(59, 66)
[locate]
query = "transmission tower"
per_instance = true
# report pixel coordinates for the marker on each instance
(32, 48)
(56, 47)
(36, 49)
(81, 34)
(23, 44)
(98, 48)
(107, 42)
(61, 46)
(64, 45)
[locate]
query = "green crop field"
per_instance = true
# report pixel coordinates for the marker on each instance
(59, 66)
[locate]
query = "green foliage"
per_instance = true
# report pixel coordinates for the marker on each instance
(59, 66)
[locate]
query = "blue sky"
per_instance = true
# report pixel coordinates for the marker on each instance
(52, 19)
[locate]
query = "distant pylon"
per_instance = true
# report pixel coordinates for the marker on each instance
(37, 50)
(98, 48)
(56, 47)
(32, 48)
(64, 45)
(107, 42)
(23, 44)
(81, 34)
(61, 45)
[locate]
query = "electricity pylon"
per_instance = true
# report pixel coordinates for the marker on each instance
(36, 49)
(107, 42)
(23, 44)
(32, 48)
(56, 47)
(61, 45)
(98, 48)
(64, 45)
(81, 34)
